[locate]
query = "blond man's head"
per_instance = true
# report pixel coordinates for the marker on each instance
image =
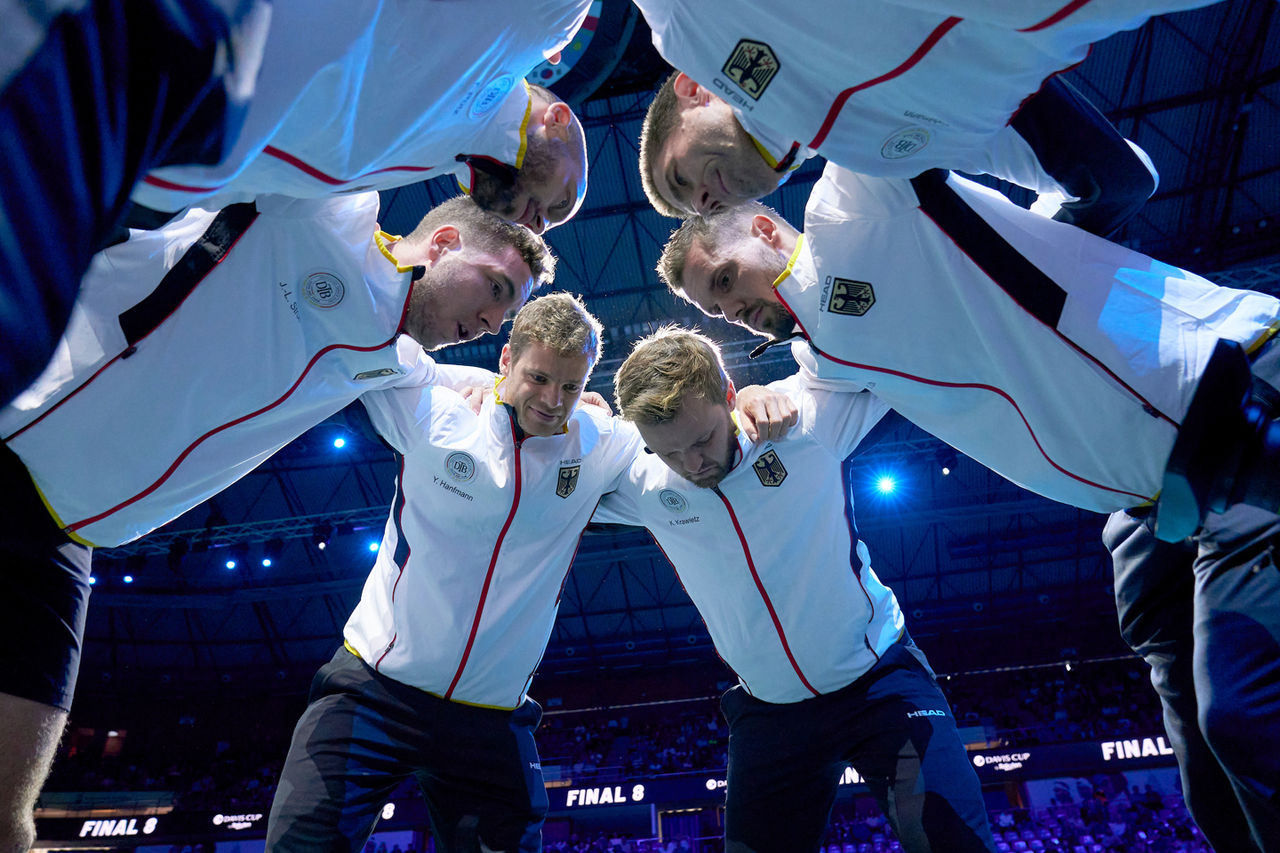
(554, 346)
(675, 389)
(664, 370)
(560, 322)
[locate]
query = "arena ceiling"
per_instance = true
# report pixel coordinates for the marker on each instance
(967, 552)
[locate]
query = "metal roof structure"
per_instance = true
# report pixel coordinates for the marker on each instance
(966, 552)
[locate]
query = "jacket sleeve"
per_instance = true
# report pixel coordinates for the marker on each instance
(420, 370)
(402, 416)
(840, 420)
(621, 506)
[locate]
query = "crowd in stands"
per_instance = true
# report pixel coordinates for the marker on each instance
(1129, 822)
(203, 764)
(639, 742)
(1126, 824)
(206, 767)
(1112, 700)
(1054, 705)
(1133, 822)
(228, 781)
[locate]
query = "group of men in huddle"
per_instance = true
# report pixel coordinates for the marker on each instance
(223, 187)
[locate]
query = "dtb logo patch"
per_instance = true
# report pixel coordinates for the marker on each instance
(904, 143)
(851, 298)
(492, 95)
(769, 469)
(323, 289)
(752, 65)
(568, 480)
(673, 500)
(460, 466)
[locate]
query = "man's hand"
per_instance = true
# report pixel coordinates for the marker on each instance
(766, 415)
(592, 398)
(475, 395)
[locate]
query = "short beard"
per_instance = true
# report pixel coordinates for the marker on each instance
(785, 325)
(498, 196)
(423, 302)
(753, 177)
(781, 323)
(709, 482)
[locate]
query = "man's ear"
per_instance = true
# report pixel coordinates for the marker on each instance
(444, 239)
(766, 229)
(504, 360)
(556, 119)
(689, 93)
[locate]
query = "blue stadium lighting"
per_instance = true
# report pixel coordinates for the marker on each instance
(271, 552)
(339, 442)
(92, 580)
(128, 578)
(231, 564)
(374, 546)
(886, 484)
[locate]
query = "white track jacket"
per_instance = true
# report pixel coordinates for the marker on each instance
(196, 351)
(372, 94)
(1060, 360)
(888, 87)
(771, 556)
(483, 528)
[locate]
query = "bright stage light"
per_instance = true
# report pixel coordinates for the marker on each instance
(886, 484)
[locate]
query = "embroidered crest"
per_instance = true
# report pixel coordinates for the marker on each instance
(849, 297)
(904, 143)
(568, 480)
(752, 65)
(769, 469)
(460, 466)
(673, 500)
(323, 289)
